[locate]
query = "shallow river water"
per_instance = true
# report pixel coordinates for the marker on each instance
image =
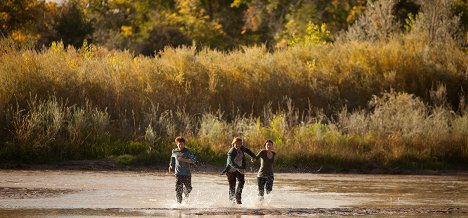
(122, 193)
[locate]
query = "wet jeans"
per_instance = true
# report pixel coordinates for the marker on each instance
(233, 193)
(265, 183)
(182, 181)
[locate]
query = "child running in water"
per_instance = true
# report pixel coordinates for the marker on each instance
(265, 173)
(235, 168)
(181, 159)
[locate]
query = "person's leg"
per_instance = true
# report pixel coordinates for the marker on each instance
(269, 184)
(240, 186)
(178, 189)
(232, 185)
(188, 185)
(261, 186)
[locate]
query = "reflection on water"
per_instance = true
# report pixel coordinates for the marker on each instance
(389, 190)
(90, 193)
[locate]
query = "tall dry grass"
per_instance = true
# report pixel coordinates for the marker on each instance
(398, 101)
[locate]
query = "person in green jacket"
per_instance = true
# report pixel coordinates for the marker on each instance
(181, 159)
(235, 168)
(265, 175)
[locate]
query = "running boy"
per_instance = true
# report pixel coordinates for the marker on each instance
(181, 159)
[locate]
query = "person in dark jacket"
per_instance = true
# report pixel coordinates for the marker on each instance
(181, 159)
(265, 173)
(235, 169)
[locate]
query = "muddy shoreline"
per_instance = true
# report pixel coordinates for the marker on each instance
(238, 211)
(110, 165)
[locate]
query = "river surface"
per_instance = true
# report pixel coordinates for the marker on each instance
(126, 193)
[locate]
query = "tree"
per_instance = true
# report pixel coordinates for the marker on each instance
(461, 9)
(314, 35)
(72, 26)
(280, 21)
(376, 24)
(17, 13)
(437, 23)
(26, 20)
(194, 21)
(160, 37)
(406, 8)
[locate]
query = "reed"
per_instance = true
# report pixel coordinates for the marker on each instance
(362, 103)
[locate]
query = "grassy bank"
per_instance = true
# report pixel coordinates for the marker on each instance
(383, 104)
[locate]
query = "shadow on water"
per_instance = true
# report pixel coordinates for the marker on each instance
(144, 194)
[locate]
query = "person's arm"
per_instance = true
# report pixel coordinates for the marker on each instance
(191, 158)
(231, 155)
(171, 163)
(248, 151)
(257, 156)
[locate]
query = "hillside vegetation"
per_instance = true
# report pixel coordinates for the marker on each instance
(373, 97)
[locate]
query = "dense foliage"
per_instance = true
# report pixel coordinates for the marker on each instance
(381, 93)
(146, 26)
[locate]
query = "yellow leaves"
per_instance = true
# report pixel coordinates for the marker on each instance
(354, 13)
(126, 31)
(87, 50)
(51, 6)
(188, 7)
(217, 26)
(314, 35)
(72, 64)
(57, 47)
(291, 25)
(19, 36)
(237, 3)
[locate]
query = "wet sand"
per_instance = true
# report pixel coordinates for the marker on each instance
(232, 212)
(26, 193)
